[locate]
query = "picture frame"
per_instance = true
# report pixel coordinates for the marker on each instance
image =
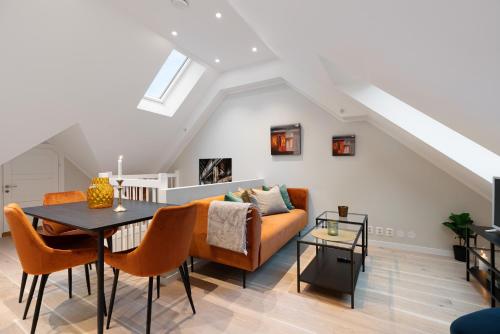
(218, 170)
(344, 145)
(286, 139)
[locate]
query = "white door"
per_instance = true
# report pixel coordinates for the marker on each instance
(29, 176)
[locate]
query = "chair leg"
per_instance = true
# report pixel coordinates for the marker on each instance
(150, 302)
(244, 278)
(113, 293)
(70, 283)
(43, 281)
(30, 296)
(186, 274)
(183, 271)
(110, 243)
(23, 285)
(87, 278)
(158, 286)
(192, 264)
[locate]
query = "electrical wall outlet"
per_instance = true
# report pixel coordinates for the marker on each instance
(389, 232)
(400, 233)
(379, 230)
(370, 229)
(411, 234)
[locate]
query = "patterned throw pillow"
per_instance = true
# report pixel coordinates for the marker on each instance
(284, 194)
(269, 202)
(245, 194)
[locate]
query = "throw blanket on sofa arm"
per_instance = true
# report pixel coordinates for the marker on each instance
(227, 225)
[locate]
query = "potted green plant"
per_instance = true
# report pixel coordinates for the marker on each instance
(459, 224)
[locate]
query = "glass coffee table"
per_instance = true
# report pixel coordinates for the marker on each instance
(338, 259)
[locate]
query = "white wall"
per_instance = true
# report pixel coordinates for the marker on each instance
(74, 178)
(396, 187)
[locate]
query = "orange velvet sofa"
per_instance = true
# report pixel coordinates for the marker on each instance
(265, 235)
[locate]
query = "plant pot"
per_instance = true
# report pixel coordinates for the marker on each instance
(343, 210)
(460, 253)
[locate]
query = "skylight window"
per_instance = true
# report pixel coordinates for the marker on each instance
(457, 147)
(170, 70)
(172, 85)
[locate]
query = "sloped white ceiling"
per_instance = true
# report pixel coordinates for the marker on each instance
(440, 57)
(200, 33)
(83, 62)
(88, 63)
(74, 144)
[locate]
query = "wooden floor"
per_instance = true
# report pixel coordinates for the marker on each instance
(400, 292)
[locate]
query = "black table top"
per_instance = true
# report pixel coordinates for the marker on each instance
(78, 215)
(493, 237)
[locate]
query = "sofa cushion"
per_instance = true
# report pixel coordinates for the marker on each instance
(269, 202)
(284, 194)
(232, 197)
(278, 229)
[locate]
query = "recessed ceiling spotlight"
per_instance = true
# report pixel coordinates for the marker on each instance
(217, 60)
(174, 33)
(254, 49)
(218, 15)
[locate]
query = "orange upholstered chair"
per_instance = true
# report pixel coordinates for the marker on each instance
(60, 236)
(55, 229)
(39, 259)
(165, 247)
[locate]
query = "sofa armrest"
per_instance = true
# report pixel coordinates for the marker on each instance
(299, 197)
(200, 248)
(254, 229)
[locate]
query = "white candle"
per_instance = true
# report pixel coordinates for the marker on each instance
(120, 170)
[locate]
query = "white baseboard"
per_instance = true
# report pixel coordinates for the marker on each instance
(411, 248)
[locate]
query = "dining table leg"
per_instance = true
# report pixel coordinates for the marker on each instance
(100, 282)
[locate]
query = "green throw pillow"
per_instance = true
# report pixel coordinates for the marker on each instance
(230, 197)
(284, 194)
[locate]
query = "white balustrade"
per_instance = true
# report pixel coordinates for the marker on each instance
(141, 187)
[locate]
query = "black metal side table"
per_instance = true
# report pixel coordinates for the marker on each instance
(338, 262)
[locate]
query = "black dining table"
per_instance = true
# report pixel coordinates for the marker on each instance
(95, 221)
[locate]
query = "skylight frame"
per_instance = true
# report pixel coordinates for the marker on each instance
(172, 82)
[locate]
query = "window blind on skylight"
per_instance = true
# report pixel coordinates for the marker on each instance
(166, 76)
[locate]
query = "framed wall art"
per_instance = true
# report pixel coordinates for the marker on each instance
(343, 145)
(215, 170)
(285, 139)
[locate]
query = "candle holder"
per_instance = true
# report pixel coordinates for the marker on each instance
(119, 207)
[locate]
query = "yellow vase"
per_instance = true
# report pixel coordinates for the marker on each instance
(100, 193)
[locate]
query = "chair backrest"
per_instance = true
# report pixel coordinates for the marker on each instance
(51, 227)
(166, 243)
(30, 247)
